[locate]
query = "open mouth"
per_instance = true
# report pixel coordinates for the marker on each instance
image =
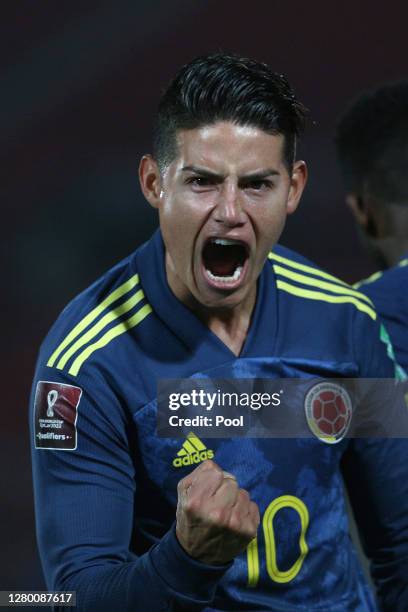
(224, 261)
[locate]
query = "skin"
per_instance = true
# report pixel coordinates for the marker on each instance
(384, 226)
(216, 519)
(226, 181)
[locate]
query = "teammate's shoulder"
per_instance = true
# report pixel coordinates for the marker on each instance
(392, 278)
(299, 277)
(92, 312)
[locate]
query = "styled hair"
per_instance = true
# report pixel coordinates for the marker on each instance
(372, 143)
(226, 87)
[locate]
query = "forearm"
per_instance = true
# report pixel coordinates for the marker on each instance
(163, 576)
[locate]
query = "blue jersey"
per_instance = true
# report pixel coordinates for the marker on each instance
(106, 485)
(389, 292)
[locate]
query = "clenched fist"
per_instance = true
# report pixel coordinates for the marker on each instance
(215, 518)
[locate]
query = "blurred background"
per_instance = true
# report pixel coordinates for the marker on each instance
(80, 83)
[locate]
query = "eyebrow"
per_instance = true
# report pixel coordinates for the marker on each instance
(257, 175)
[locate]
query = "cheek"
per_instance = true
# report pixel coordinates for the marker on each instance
(268, 215)
(185, 215)
(275, 227)
(177, 223)
(172, 223)
(268, 224)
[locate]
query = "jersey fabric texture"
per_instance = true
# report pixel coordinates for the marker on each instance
(105, 510)
(389, 292)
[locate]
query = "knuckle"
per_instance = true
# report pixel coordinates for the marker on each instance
(218, 480)
(192, 507)
(244, 495)
(235, 524)
(251, 535)
(205, 473)
(208, 464)
(217, 516)
(215, 477)
(249, 530)
(213, 466)
(204, 465)
(255, 512)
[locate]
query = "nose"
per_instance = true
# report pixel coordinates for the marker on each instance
(229, 208)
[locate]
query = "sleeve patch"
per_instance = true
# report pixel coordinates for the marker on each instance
(55, 415)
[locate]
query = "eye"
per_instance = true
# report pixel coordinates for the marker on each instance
(200, 181)
(258, 184)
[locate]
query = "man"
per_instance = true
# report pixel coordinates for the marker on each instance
(119, 519)
(372, 145)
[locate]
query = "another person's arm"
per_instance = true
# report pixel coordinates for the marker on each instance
(376, 476)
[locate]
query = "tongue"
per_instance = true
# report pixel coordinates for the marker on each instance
(222, 260)
(220, 268)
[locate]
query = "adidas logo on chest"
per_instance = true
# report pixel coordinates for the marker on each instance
(193, 451)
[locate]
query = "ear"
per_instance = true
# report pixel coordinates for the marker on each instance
(150, 180)
(358, 208)
(298, 181)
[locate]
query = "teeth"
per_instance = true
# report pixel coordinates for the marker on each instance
(224, 241)
(226, 279)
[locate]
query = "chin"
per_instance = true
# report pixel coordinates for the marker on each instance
(221, 301)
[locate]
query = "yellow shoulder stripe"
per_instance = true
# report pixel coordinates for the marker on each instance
(324, 297)
(91, 316)
(377, 275)
(368, 280)
(114, 332)
(95, 329)
(304, 268)
(314, 282)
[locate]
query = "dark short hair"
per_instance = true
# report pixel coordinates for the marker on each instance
(372, 143)
(226, 87)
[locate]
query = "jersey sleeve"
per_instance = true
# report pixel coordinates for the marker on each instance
(84, 488)
(376, 476)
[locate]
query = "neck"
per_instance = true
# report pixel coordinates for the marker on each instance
(230, 324)
(392, 236)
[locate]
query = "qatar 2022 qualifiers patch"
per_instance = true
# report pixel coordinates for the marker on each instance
(55, 415)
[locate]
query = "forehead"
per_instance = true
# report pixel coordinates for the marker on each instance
(226, 145)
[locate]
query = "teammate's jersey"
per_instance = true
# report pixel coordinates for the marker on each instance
(106, 484)
(389, 292)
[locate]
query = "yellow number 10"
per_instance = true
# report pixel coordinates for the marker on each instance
(284, 501)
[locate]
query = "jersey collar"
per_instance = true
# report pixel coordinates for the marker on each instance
(188, 327)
